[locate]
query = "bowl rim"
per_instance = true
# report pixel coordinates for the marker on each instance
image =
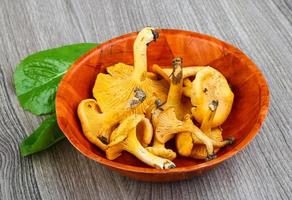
(264, 105)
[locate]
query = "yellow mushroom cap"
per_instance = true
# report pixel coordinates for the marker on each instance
(184, 143)
(114, 92)
(210, 85)
(144, 132)
(121, 70)
(88, 112)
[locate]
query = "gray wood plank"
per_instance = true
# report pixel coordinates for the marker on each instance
(262, 29)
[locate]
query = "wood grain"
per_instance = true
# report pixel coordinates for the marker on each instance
(262, 29)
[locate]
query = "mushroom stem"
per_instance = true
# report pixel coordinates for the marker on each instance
(140, 52)
(196, 132)
(159, 149)
(208, 118)
(223, 143)
(176, 77)
(134, 147)
(152, 75)
(165, 72)
(188, 71)
(140, 61)
(158, 70)
(124, 137)
(207, 122)
(210, 143)
(169, 125)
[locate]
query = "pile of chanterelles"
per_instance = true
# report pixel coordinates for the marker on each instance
(140, 111)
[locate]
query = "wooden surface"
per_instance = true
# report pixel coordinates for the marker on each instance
(262, 29)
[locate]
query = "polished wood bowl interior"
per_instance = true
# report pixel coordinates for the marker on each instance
(247, 82)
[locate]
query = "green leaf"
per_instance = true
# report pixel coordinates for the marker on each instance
(42, 138)
(36, 78)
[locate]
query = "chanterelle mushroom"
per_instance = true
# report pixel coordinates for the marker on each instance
(199, 150)
(174, 99)
(208, 119)
(98, 126)
(124, 138)
(95, 125)
(168, 125)
(196, 148)
(145, 130)
(114, 89)
(190, 146)
(208, 92)
(184, 143)
(208, 86)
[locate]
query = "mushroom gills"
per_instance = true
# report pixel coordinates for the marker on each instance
(169, 125)
(124, 137)
(113, 90)
(97, 127)
(174, 100)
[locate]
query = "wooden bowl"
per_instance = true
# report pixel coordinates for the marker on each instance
(248, 84)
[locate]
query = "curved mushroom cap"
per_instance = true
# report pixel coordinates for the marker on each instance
(199, 150)
(120, 134)
(88, 113)
(122, 131)
(112, 91)
(144, 132)
(210, 85)
(184, 143)
(120, 70)
(167, 125)
(215, 134)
